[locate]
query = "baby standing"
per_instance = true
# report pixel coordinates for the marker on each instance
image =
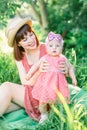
(47, 82)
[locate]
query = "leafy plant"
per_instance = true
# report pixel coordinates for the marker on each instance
(8, 69)
(66, 117)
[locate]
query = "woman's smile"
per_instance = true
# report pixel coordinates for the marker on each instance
(32, 44)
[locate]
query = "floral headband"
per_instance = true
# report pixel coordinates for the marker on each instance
(52, 36)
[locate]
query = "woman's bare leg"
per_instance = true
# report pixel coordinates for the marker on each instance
(13, 107)
(11, 92)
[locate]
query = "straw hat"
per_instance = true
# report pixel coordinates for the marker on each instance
(14, 26)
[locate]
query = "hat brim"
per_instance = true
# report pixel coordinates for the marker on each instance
(13, 28)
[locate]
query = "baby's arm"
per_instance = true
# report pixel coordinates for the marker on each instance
(71, 73)
(33, 70)
(41, 66)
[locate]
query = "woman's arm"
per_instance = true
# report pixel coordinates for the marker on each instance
(22, 75)
(43, 68)
(32, 71)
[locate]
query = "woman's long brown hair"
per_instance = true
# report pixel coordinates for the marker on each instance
(18, 50)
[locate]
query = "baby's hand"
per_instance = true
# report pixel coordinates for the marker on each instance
(43, 66)
(74, 82)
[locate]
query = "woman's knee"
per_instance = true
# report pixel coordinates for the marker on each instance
(5, 89)
(5, 84)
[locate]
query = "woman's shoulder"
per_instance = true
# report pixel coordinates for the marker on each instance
(42, 45)
(42, 49)
(18, 63)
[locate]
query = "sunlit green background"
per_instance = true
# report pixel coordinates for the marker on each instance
(67, 17)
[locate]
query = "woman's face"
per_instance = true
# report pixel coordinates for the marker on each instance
(29, 41)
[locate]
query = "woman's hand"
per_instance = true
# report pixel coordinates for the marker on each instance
(64, 68)
(43, 66)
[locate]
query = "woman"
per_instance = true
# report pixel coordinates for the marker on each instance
(27, 51)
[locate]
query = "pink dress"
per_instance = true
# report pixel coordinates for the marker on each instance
(44, 89)
(31, 104)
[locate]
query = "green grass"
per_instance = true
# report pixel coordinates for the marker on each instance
(66, 117)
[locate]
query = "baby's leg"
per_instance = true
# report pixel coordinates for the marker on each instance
(43, 110)
(43, 107)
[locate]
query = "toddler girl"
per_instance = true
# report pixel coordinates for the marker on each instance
(52, 79)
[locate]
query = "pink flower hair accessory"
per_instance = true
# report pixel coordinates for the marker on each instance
(52, 36)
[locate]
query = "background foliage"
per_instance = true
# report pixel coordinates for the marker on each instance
(8, 69)
(68, 17)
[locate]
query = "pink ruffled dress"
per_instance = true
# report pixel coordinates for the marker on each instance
(44, 89)
(31, 104)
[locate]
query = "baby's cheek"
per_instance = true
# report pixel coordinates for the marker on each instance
(60, 50)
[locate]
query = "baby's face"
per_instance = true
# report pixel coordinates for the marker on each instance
(54, 48)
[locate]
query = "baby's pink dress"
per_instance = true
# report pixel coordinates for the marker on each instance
(44, 89)
(31, 104)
